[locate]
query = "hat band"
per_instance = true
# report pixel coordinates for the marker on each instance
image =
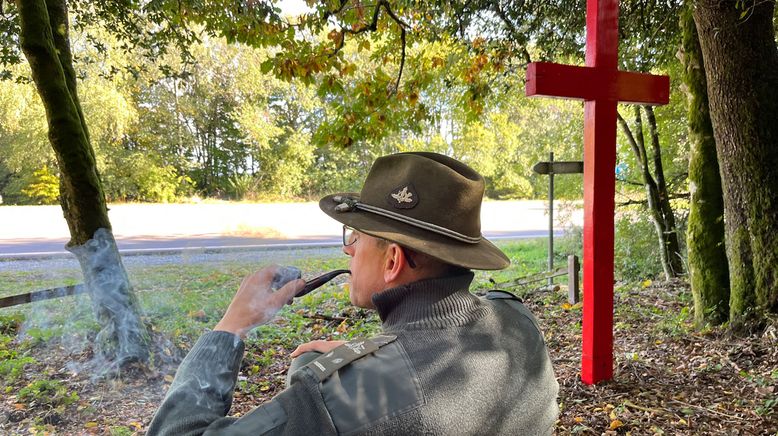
(348, 204)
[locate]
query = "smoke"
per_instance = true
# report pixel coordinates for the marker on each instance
(122, 337)
(284, 275)
(198, 281)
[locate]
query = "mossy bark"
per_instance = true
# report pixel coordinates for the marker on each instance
(741, 68)
(45, 43)
(707, 257)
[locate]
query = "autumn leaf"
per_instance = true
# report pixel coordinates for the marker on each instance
(615, 424)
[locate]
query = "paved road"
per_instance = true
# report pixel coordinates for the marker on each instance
(29, 231)
(25, 248)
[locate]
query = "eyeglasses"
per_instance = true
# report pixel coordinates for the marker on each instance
(350, 236)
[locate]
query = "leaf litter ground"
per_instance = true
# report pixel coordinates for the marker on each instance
(668, 378)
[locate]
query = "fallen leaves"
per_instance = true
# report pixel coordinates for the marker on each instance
(668, 378)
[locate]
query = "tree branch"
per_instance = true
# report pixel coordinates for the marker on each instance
(512, 30)
(58, 19)
(372, 27)
(655, 149)
(628, 133)
(631, 182)
(685, 195)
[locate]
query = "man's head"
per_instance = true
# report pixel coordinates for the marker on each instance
(420, 209)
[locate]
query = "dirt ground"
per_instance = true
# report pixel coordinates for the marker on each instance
(668, 378)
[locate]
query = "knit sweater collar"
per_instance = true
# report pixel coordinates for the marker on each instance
(431, 303)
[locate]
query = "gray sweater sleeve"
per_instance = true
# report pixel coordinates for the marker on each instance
(201, 396)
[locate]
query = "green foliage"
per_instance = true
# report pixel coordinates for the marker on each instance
(242, 186)
(121, 431)
(44, 188)
(10, 323)
(51, 393)
(139, 176)
(12, 359)
(636, 254)
(283, 110)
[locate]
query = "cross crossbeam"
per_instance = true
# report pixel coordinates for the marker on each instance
(586, 83)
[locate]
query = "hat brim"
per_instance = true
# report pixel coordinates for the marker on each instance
(482, 255)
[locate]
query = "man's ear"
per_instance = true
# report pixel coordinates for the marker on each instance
(394, 263)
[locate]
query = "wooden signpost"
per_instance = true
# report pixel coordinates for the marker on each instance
(602, 86)
(550, 168)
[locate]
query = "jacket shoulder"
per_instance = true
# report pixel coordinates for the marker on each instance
(372, 387)
(327, 364)
(504, 297)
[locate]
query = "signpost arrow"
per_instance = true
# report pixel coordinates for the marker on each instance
(559, 167)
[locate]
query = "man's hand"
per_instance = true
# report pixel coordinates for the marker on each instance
(255, 303)
(320, 346)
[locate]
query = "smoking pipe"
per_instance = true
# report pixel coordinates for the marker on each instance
(315, 283)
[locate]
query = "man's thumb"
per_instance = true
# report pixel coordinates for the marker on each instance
(289, 290)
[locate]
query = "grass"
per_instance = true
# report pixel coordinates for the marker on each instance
(188, 298)
(180, 301)
(40, 344)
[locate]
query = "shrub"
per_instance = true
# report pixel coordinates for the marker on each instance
(636, 254)
(46, 393)
(44, 188)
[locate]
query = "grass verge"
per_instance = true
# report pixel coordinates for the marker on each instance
(668, 378)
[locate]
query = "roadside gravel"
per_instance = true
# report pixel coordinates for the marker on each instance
(262, 257)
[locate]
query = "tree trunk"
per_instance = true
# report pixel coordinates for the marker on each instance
(667, 235)
(45, 43)
(741, 67)
(670, 244)
(707, 257)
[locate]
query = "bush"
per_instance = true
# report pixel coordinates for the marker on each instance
(636, 254)
(141, 177)
(46, 393)
(11, 363)
(243, 186)
(44, 187)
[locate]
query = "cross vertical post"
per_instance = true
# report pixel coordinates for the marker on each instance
(602, 86)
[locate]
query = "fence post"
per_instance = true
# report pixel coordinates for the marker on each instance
(572, 279)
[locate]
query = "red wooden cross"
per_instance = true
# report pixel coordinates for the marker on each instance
(601, 85)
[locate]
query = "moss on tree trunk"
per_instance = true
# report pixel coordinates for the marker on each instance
(708, 269)
(45, 43)
(741, 68)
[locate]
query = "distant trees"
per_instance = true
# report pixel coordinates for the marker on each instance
(220, 126)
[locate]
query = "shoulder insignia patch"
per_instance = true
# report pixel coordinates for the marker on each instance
(403, 197)
(497, 294)
(326, 365)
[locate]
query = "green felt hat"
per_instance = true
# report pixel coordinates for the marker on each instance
(427, 202)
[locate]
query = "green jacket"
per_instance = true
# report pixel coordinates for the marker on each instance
(449, 363)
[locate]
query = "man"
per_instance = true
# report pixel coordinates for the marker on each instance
(448, 363)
